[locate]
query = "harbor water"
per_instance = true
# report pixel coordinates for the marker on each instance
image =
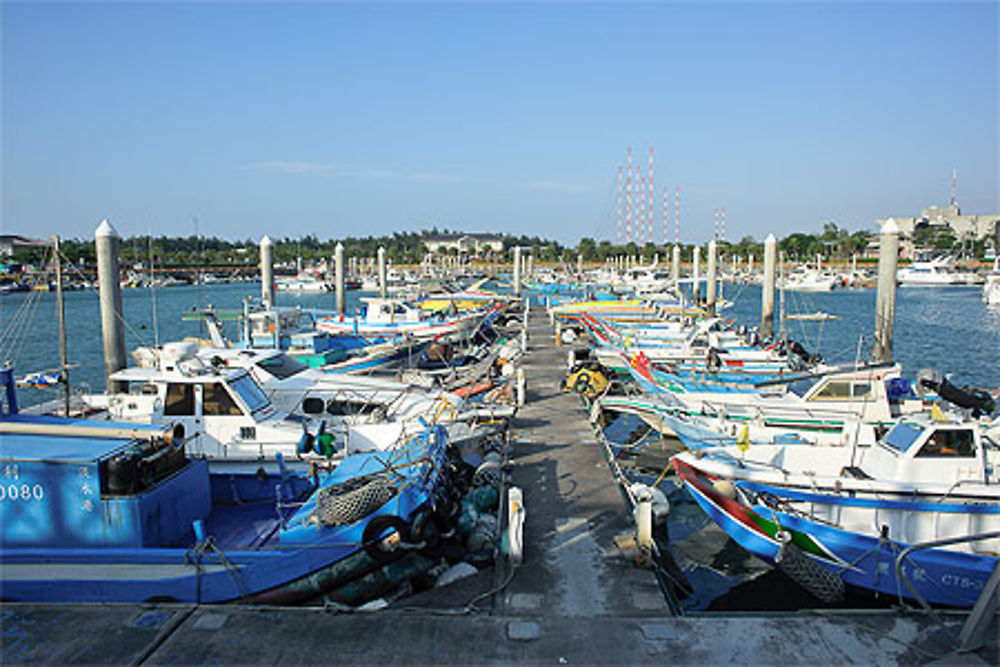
(946, 328)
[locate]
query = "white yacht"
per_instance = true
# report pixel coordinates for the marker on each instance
(936, 271)
(991, 290)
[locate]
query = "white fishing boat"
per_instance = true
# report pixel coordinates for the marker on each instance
(916, 515)
(809, 279)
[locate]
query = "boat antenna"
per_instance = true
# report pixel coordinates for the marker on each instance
(781, 292)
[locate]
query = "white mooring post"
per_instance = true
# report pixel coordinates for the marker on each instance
(338, 277)
(383, 286)
(770, 280)
(267, 272)
(106, 240)
(885, 300)
(712, 289)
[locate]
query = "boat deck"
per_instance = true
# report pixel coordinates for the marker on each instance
(575, 599)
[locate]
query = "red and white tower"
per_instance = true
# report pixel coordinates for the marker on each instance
(651, 191)
(618, 208)
(677, 215)
(722, 223)
(666, 200)
(628, 198)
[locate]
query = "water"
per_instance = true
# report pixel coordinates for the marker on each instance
(947, 328)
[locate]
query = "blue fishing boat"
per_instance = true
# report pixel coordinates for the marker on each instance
(917, 515)
(102, 511)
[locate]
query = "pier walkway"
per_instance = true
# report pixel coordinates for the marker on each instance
(575, 599)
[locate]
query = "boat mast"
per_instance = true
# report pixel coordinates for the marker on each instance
(781, 292)
(61, 312)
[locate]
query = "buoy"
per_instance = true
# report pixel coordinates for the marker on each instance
(515, 525)
(724, 488)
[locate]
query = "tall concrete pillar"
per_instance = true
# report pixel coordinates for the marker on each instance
(267, 272)
(383, 277)
(695, 277)
(109, 286)
(338, 277)
(579, 265)
(529, 268)
(712, 288)
(749, 267)
(885, 300)
(675, 267)
(770, 280)
(517, 271)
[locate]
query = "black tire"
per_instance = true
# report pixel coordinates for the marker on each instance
(372, 537)
(582, 382)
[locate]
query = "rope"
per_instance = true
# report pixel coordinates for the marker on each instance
(209, 547)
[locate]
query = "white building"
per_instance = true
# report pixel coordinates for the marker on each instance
(473, 244)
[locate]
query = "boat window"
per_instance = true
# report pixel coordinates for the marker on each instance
(312, 405)
(902, 436)
(949, 444)
(801, 387)
(216, 401)
(347, 408)
(180, 400)
(398, 308)
(282, 366)
(840, 390)
(249, 392)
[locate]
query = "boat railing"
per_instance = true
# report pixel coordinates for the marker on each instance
(930, 544)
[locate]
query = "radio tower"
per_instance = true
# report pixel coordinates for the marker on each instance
(722, 223)
(677, 215)
(716, 223)
(649, 221)
(954, 186)
(640, 216)
(666, 220)
(628, 198)
(618, 207)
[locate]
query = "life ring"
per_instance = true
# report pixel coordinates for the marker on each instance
(374, 536)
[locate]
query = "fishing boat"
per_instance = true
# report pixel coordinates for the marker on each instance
(394, 317)
(98, 511)
(293, 330)
(916, 515)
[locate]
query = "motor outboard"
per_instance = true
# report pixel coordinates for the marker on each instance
(979, 402)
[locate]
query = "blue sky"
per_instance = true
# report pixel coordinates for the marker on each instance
(353, 119)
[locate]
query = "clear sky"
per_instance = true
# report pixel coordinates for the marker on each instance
(355, 119)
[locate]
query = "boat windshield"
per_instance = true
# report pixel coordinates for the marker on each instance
(801, 387)
(282, 366)
(902, 436)
(249, 392)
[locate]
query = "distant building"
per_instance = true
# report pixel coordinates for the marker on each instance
(9, 243)
(963, 227)
(474, 244)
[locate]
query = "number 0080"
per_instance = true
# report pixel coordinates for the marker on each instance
(23, 492)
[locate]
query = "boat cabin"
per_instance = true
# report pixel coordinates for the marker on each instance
(222, 412)
(935, 450)
(873, 394)
(390, 311)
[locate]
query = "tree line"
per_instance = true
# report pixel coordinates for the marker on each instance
(410, 248)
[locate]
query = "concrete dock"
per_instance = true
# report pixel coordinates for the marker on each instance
(575, 600)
